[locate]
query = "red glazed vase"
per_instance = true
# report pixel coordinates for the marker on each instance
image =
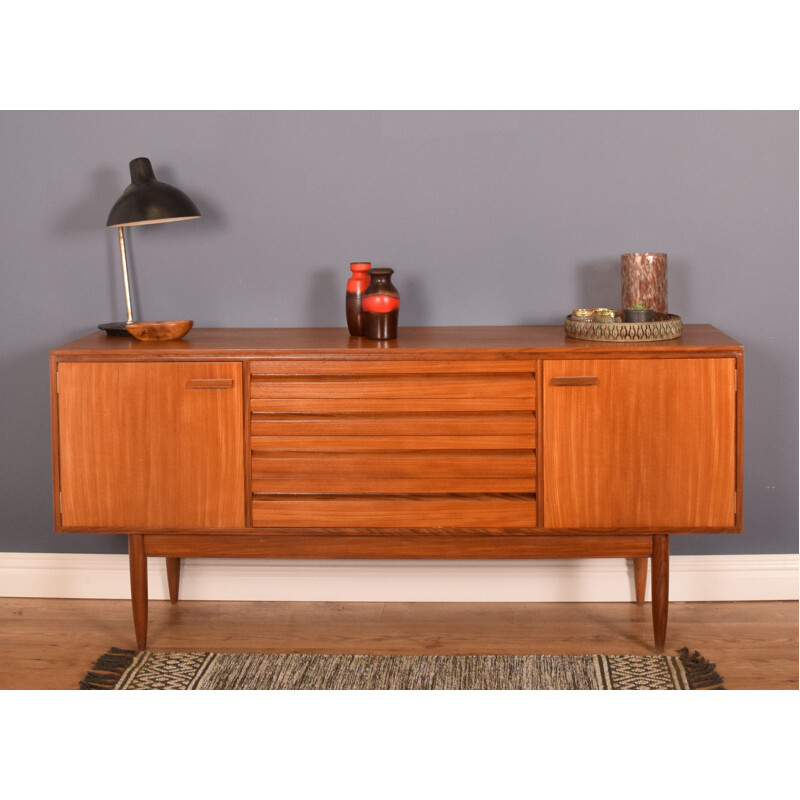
(381, 304)
(357, 284)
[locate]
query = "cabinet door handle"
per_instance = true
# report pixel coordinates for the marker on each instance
(210, 383)
(575, 380)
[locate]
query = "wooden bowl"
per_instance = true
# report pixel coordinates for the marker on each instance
(159, 331)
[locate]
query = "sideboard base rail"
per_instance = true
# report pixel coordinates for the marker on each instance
(177, 546)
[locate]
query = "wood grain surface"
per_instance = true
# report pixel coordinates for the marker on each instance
(51, 644)
(476, 342)
(657, 437)
(452, 442)
(419, 448)
(392, 511)
(139, 445)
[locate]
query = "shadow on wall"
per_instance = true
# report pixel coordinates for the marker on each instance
(599, 284)
(413, 305)
(326, 298)
(679, 289)
(90, 207)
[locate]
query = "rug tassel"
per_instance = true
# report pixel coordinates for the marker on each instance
(112, 665)
(702, 674)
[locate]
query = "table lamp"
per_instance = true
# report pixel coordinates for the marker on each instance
(146, 201)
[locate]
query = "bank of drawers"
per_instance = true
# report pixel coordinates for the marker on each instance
(390, 444)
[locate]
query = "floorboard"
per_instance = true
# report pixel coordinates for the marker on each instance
(51, 644)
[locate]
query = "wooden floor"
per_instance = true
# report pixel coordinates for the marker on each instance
(51, 644)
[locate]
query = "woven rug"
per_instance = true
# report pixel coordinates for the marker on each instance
(129, 669)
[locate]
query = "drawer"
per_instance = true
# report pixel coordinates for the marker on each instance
(439, 366)
(401, 444)
(521, 425)
(389, 511)
(394, 471)
(394, 393)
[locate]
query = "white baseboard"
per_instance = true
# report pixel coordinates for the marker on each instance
(727, 577)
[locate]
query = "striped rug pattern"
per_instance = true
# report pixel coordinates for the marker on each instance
(127, 669)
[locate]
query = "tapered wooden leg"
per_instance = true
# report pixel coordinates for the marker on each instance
(660, 576)
(640, 578)
(173, 577)
(138, 564)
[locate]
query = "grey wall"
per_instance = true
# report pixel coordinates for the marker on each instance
(487, 217)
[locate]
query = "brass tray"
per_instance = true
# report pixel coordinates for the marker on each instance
(670, 327)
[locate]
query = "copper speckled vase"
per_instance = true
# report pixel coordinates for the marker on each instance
(644, 280)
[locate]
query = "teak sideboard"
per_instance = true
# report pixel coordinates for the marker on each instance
(452, 442)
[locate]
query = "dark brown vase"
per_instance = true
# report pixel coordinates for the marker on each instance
(381, 304)
(357, 284)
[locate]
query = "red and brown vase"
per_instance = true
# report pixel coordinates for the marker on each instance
(381, 304)
(357, 284)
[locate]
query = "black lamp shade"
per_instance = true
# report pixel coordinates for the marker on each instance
(147, 201)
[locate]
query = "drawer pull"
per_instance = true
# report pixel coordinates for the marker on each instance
(210, 383)
(575, 380)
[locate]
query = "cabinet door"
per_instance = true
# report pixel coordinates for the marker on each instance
(151, 445)
(639, 444)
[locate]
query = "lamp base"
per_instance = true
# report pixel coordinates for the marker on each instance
(114, 328)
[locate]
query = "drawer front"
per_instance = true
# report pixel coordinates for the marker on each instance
(396, 445)
(422, 471)
(394, 511)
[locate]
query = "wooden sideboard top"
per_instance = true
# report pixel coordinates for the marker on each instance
(412, 341)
